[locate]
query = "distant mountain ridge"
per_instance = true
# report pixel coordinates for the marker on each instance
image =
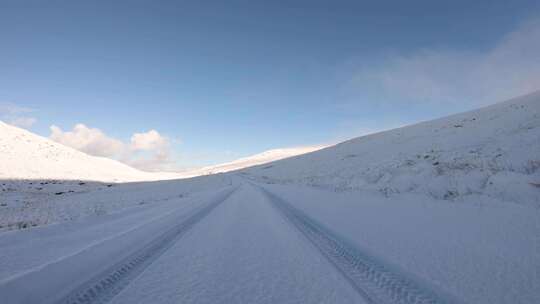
(254, 160)
(25, 155)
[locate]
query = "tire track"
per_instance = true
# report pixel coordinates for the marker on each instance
(376, 282)
(103, 287)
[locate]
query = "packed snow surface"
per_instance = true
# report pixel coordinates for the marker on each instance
(446, 211)
(255, 243)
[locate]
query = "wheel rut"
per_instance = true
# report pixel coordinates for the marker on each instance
(105, 286)
(373, 279)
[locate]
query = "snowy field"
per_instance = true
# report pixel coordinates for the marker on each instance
(30, 203)
(446, 211)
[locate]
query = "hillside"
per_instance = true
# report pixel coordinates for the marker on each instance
(250, 161)
(494, 151)
(24, 155)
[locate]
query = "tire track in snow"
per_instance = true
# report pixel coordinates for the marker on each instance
(108, 284)
(376, 282)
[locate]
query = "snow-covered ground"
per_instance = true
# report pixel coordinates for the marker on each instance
(478, 250)
(446, 211)
(243, 243)
(25, 204)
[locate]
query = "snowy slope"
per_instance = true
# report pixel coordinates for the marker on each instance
(493, 151)
(24, 155)
(254, 160)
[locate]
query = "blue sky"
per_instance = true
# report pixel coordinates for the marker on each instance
(224, 79)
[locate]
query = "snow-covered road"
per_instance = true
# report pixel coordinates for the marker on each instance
(372, 278)
(247, 243)
(233, 247)
(243, 252)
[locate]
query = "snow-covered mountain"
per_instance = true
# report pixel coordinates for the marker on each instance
(254, 160)
(494, 150)
(24, 155)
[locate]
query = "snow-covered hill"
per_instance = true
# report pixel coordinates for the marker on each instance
(494, 150)
(254, 160)
(24, 155)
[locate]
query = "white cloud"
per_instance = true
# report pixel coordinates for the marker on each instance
(89, 140)
(159, 160)
(149, 151)
(510, 68)
(150, 140)
(17, 115)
